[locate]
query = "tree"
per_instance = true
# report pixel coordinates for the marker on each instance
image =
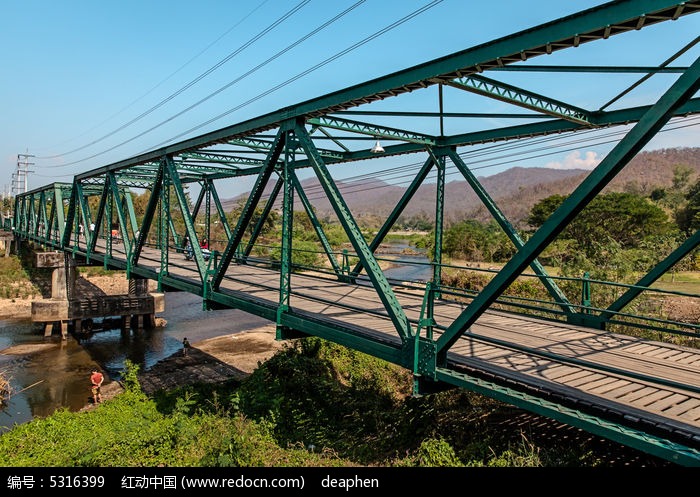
(624, 218)
(476, 241)
(688, 216)
(543, 209)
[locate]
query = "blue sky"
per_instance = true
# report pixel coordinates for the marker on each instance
(87, 83)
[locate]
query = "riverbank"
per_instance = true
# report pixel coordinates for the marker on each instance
(213, 360)
(231, 355)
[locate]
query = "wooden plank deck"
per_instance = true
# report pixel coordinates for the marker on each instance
(653, 381)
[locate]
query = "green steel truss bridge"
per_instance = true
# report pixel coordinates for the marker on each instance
(568, 357)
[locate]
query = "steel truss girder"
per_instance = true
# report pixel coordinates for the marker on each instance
(592, 69)
(249, 207)
(52, 212)
(371, 129)
(507, 93)
(379, 281)
(99, 217)
(256, 144)
(337, 140)
(219, 158)
(70, 216)
(122, 219)
(124, 182)
(510, 231)
(43, 216)
(151, 208)
(198, 203)
(263, 217)
(173, 178)
(219, 208)
(84, 211)
(610, 118)
(315, 222)
(133, 224)
(653, 120)
(264, 146)
(531, 130)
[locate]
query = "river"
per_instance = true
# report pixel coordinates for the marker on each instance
(48, 373)
(409, 263)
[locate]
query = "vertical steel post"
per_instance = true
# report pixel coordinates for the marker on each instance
(207, 211)
(163, 229)
(586, 293)
(287, 231)
(108, 223)
(439, 217)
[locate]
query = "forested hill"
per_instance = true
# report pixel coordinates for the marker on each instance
(515, 190)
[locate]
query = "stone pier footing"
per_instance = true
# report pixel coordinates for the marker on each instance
(66, 310)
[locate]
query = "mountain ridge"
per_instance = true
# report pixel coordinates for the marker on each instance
(514, 190)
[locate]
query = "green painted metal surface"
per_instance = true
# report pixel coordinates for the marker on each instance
(623, 152)
(376, 275)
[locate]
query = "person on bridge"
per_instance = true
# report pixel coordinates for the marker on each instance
(188, 249)
(204, 245)
(96, 379)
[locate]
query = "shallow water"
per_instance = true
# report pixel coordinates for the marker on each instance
(56, 374)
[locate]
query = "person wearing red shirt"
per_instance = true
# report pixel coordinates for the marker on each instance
(204, 245)
(96, 378)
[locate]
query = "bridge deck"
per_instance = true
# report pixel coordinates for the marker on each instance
(657, 384)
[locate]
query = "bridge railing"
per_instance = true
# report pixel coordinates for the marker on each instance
(652, 314)
(664, 315)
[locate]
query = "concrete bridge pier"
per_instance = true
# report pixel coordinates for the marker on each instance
(6, 240)
(138, 287)
(63, 277)
(136, 309)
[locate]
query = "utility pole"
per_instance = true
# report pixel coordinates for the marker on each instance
(6, 202)
(19, 180)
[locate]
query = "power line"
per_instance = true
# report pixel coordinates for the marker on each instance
(201, 52)
(304, 73)
(179, 91)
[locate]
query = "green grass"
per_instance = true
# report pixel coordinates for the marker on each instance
(313, 404)
(99, 271)
(684, 281)
(16, 281)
